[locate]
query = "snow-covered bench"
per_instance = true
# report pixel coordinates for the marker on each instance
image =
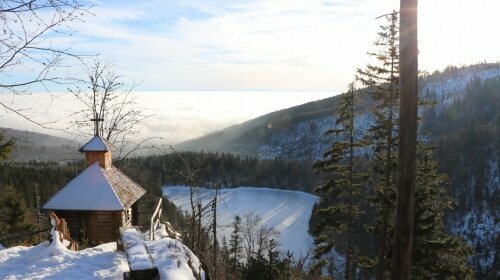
(140, 262)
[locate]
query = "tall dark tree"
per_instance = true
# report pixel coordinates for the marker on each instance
(382, 84)
(431, 239)
(338, 209)
(408, 84)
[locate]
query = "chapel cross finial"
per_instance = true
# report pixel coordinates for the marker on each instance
(96, 121)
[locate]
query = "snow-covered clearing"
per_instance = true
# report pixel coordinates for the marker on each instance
(287, 211)
(41, 262)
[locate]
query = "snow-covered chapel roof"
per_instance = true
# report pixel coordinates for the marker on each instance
(95, 189)
(97, 144)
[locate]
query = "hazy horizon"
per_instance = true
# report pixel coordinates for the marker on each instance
(177, 115)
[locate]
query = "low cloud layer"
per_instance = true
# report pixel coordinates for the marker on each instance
(176, 116)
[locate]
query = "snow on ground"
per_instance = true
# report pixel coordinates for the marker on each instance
(137, 255)
(287, 211)
(53, 261)
(43, 261)
(174, 259)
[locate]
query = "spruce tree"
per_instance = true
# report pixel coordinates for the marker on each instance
(13, 212)
(338, 208)
(5, 146)
(381, 81)
(436, 254)
(275, 264)
(236, 244)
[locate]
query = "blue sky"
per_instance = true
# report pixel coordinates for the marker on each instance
(305, 45)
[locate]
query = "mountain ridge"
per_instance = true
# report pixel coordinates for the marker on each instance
(444, 87)
(46, 147)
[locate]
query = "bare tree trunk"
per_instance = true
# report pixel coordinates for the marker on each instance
(387, 179)
(214, 229)
(198, 239)
(193, 216)
(349, 217)
(382, 245)
(408, 84)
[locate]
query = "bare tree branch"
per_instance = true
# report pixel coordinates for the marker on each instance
(104, 94)
(27, 56)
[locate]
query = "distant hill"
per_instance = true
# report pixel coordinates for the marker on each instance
(294, 132)
(40, 147)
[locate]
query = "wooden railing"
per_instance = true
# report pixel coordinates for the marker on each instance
(155, 223)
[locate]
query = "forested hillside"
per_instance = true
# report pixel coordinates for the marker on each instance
(31, 146)
(464, 125)
(467, 136)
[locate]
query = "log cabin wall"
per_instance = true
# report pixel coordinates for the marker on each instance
(99, 226)
(103, 226)
(74, 219)
(104, 158)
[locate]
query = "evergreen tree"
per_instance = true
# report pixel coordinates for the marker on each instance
(226, 258)
(5, 146)
(236, 244)
(275, 265)
(12, 212)
(338, 208)
(436, 254)
(262, 268)
(256, 268)
(381, 81)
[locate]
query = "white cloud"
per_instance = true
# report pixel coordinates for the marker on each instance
(277, 45)
(272, 44)
(177, 116)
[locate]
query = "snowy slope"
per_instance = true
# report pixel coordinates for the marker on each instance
(296, 132)
(286, 211)
(453, 85)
